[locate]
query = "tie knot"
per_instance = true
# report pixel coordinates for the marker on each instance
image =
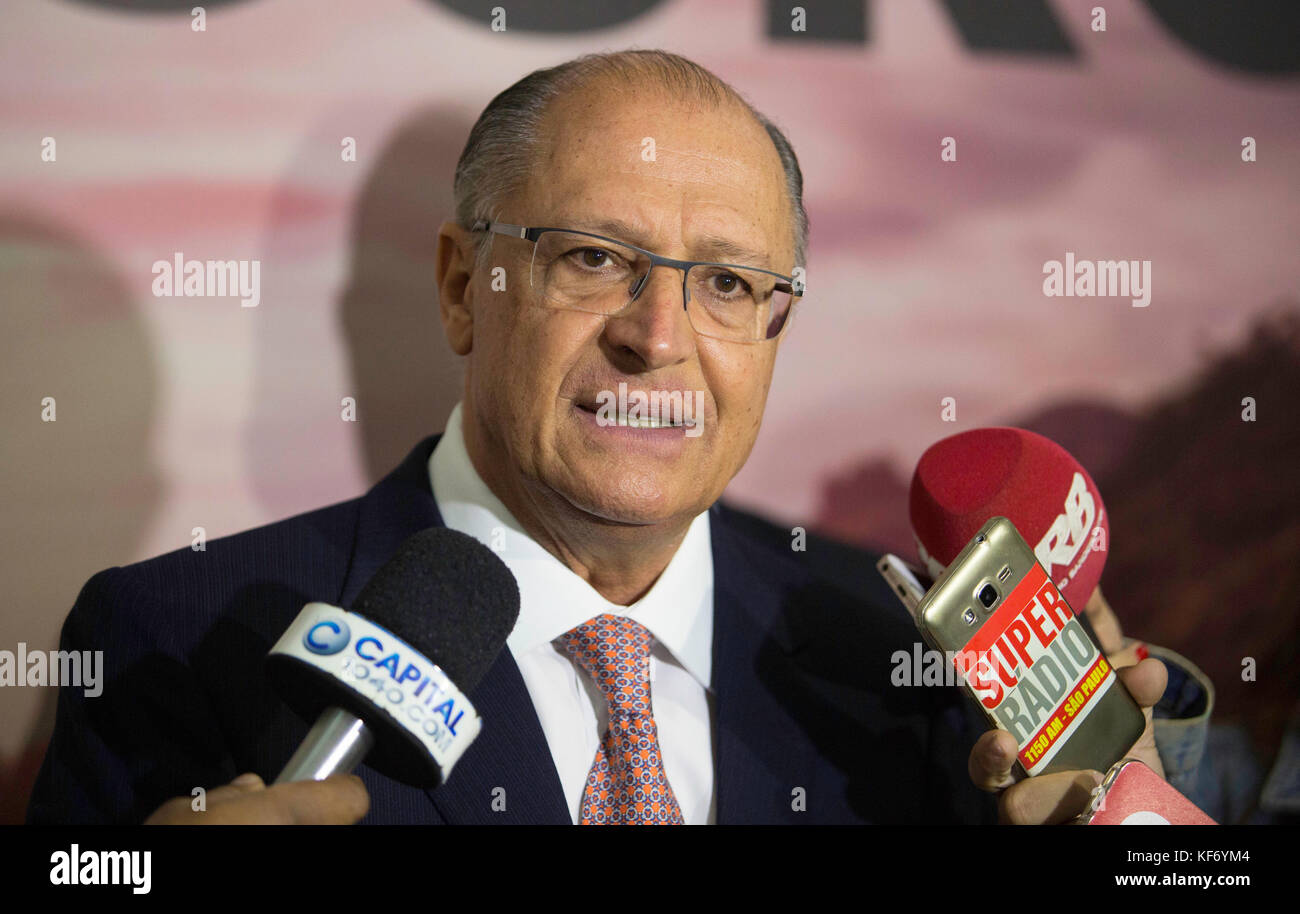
(615, 652)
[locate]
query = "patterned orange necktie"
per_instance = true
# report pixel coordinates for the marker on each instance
(626, 785)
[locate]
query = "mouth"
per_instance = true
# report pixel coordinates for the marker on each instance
(625, 421)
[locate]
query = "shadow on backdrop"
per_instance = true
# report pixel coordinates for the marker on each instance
(403, 374)
(78, 492)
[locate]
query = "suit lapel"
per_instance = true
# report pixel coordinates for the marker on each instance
(511, 751)
(508, 775)
(397, 507)
(760, 760)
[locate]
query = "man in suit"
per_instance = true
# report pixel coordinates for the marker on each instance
(624, 222)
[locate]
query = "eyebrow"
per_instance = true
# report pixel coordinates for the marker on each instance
(714, 247)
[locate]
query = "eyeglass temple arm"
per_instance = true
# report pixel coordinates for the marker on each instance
(500, 228)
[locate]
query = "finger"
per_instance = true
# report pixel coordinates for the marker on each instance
(339, 800)
(246, 783)
(991, 760)
(1104, 622)
(1146, 684)
(1048, 799)
(1130, 654)
(1145, 681)
(181, 811)
(176, 811)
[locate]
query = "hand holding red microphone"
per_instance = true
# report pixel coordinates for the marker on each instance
(964, 480)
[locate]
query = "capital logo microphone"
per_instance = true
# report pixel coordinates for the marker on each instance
(329, 636)
(373, 662)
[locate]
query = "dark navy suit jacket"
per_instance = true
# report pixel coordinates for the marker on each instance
(807, 728)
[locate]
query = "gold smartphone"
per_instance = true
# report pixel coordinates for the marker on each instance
(1024, 657)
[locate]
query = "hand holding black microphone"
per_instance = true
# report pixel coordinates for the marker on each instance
(386, 683)
(339, 800)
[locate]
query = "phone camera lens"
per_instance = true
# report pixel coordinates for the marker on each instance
(988, 595)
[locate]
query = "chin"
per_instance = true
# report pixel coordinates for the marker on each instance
(638, 499)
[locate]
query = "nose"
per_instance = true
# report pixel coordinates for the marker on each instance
(654, 325)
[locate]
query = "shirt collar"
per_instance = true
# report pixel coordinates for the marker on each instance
(678, 608)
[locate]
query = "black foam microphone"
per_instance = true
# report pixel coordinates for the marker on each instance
(387, 681)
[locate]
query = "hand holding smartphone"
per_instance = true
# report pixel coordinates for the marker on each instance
(1030, 664)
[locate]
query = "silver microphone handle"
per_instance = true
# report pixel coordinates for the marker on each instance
(336, 744)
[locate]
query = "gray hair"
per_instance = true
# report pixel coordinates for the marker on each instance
(500, 153)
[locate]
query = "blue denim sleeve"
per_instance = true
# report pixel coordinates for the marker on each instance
(1181, 718)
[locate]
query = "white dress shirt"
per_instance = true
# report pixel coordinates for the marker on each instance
(678, 611)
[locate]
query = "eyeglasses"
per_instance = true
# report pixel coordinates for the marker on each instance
(579, 271)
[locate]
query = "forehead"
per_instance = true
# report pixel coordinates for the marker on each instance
(678, 168)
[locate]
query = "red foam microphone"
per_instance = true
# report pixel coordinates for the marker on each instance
(963, 480)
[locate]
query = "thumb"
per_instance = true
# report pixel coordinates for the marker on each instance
(249, 782)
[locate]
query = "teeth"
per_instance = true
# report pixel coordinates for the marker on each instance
(645, 423)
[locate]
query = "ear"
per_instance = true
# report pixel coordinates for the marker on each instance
(455, 268)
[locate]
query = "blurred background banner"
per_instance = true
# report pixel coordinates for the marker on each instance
(951, 150)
